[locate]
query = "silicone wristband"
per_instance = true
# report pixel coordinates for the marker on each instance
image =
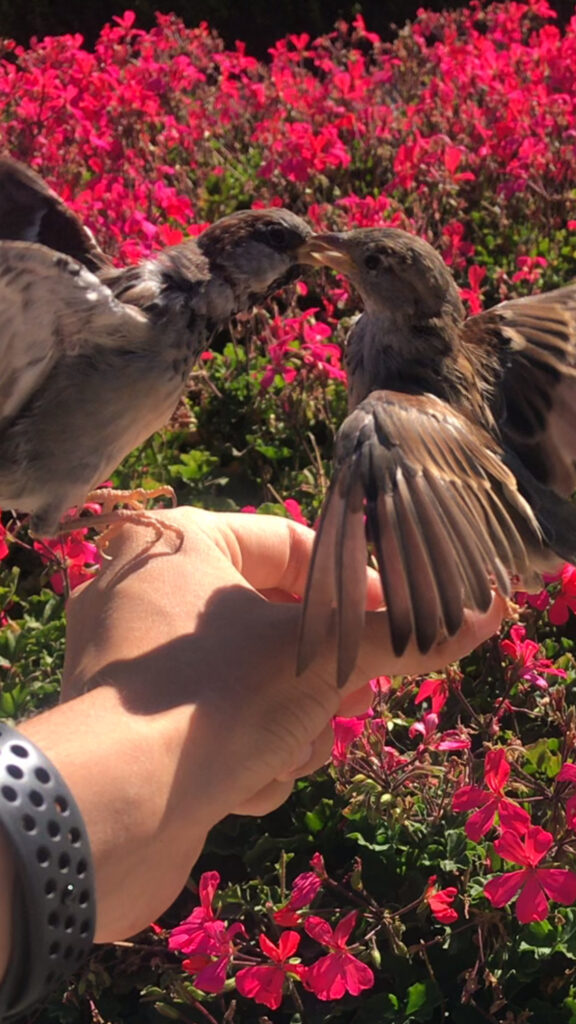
(54, 907)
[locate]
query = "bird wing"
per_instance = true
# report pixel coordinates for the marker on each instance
(51, 306)
(443, 514)
(31, 212)
(535, 340)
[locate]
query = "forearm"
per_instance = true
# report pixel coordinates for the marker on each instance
(121, 769)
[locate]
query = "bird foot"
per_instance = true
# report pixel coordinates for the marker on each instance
(109, 497)
(110, 521)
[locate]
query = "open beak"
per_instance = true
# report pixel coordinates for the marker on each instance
(329, 250)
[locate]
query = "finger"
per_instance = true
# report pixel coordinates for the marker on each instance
(267, 799)
(357, 702)
(377, 658)
(271, 553)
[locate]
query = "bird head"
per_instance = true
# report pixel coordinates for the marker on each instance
(250, 254)
(393, 271)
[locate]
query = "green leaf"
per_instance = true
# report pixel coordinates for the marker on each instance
(423, 997)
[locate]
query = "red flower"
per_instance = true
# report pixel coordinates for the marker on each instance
(565, 600)
(183, 936)
(212, 950)
(380, 684)
(304, 889)
(440, 900)
(491, 801)
(535, 885)
(3, 544)
(339, 972)
(567, 773)
(346, 730)
(453, 739)
(524, 652)
(436, 690)
(77, 559)
(294, 511)
(265, 983)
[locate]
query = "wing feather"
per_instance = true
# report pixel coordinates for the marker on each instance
(444, 515)
(534, 339)
(31, 212)
(51, 306)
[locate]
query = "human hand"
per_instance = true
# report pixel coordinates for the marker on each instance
(188, 706)
(218, 619)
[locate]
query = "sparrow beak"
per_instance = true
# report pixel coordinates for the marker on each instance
(329, 250)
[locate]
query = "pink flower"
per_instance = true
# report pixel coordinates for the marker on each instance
(539, 600)
(491, 801)
(452, 739)
(294, 511)
(440, 900)
(3, 545)
(524, 652)
(304, 890)
(346, 730)
(565, 600)
(77, 559)
(380, 684)
(212, 950)
(567, 773)
(265, 983)
(183, 936)
(435, 690)
(533, 884)
(338, 972)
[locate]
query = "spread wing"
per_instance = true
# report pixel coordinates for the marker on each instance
(535, 340)
(443, 514)
(31, 212)
(51, 306)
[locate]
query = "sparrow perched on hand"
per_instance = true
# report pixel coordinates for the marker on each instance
(94, 359)
(458, 449)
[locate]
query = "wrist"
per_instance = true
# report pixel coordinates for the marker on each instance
(122, 769)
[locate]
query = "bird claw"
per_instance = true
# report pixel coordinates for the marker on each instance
(109, 497)
(110, 521)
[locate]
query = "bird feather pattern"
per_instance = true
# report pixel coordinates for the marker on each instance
(95, 358)
(50, 307)
(458, 451)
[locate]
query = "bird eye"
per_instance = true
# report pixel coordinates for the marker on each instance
(372, 261)
(277, 236)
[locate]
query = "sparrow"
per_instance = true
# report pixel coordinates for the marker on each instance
(95, 358)
(457, 457)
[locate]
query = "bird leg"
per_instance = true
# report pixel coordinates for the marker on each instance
(109, 497)
(112, 519)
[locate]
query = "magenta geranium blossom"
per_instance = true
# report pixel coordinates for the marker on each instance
(533, 885)
(524, 653)
(265, 982)
(491, 801)
(440, 901)
(340, 971)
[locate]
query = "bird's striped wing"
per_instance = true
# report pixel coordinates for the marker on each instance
(31, 212)
(50, 306)
(442, 512)
(535, 339)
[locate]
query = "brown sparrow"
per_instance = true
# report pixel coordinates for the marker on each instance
(458, 450)
(94, 359)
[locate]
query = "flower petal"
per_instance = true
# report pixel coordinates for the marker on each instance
(559, 884)
(532, 904)
(502, 889)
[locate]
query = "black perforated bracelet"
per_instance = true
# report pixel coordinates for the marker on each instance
(53, 908)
